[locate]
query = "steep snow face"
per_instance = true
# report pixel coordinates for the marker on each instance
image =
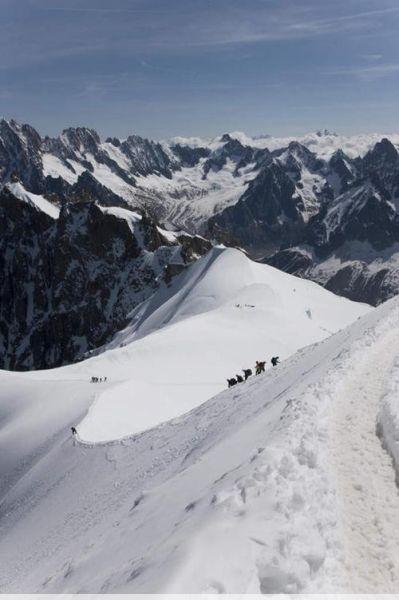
(35, 200)
(219, 317)
(244, 494)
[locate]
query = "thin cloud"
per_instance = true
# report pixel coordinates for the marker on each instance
(82, 9)
(372, 57)
(369, 73)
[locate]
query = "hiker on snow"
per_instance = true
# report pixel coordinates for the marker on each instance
(74, 430)
(247, 373)
(260, 367)
(275, 360)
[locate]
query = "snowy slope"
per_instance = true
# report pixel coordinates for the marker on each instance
(36, 200)
(257, 490)
(219, 317)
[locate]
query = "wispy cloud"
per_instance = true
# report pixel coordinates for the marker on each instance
(100, 11)
(371, 57)
(368, 73)
(176, 24)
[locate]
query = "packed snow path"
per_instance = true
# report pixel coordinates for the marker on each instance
(366, 485)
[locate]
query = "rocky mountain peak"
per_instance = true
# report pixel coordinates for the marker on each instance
(81, 139)
(225, 138)
(114, 141)
(384, 152)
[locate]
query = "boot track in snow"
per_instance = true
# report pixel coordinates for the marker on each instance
(366, 487)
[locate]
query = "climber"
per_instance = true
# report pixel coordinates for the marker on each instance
(247, 373)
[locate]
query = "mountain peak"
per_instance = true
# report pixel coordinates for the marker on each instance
(80, 137)
(383, 152)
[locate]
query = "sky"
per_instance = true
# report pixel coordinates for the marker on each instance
(160, 68)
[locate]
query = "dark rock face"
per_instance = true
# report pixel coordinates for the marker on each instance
(19, 155)
(190, 157)
(291, 261)
(357, 283)
(148, 157)
(361, 215)
(359, 228)
(268, 213)
(354, 280)
(67, 285)
(89, 188)
(83, 145)
(381, 166)
(233, 150)
(286, 202)
(345, 169)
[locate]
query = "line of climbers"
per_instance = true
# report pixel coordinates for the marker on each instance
(259, 368)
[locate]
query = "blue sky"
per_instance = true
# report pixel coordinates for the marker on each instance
(201, 67)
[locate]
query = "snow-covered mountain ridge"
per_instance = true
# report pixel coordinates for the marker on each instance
(278, 485)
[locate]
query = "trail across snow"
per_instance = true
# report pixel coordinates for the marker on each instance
(366, 487)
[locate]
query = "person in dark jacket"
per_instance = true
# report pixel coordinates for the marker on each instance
(275, 360)
(247, 373)
(260, 367)
(74, 430)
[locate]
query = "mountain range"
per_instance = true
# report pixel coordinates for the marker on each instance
(90, 227)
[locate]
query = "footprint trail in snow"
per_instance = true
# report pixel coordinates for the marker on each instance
(369, 498)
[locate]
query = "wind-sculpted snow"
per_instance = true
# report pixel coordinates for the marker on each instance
(242, 494)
